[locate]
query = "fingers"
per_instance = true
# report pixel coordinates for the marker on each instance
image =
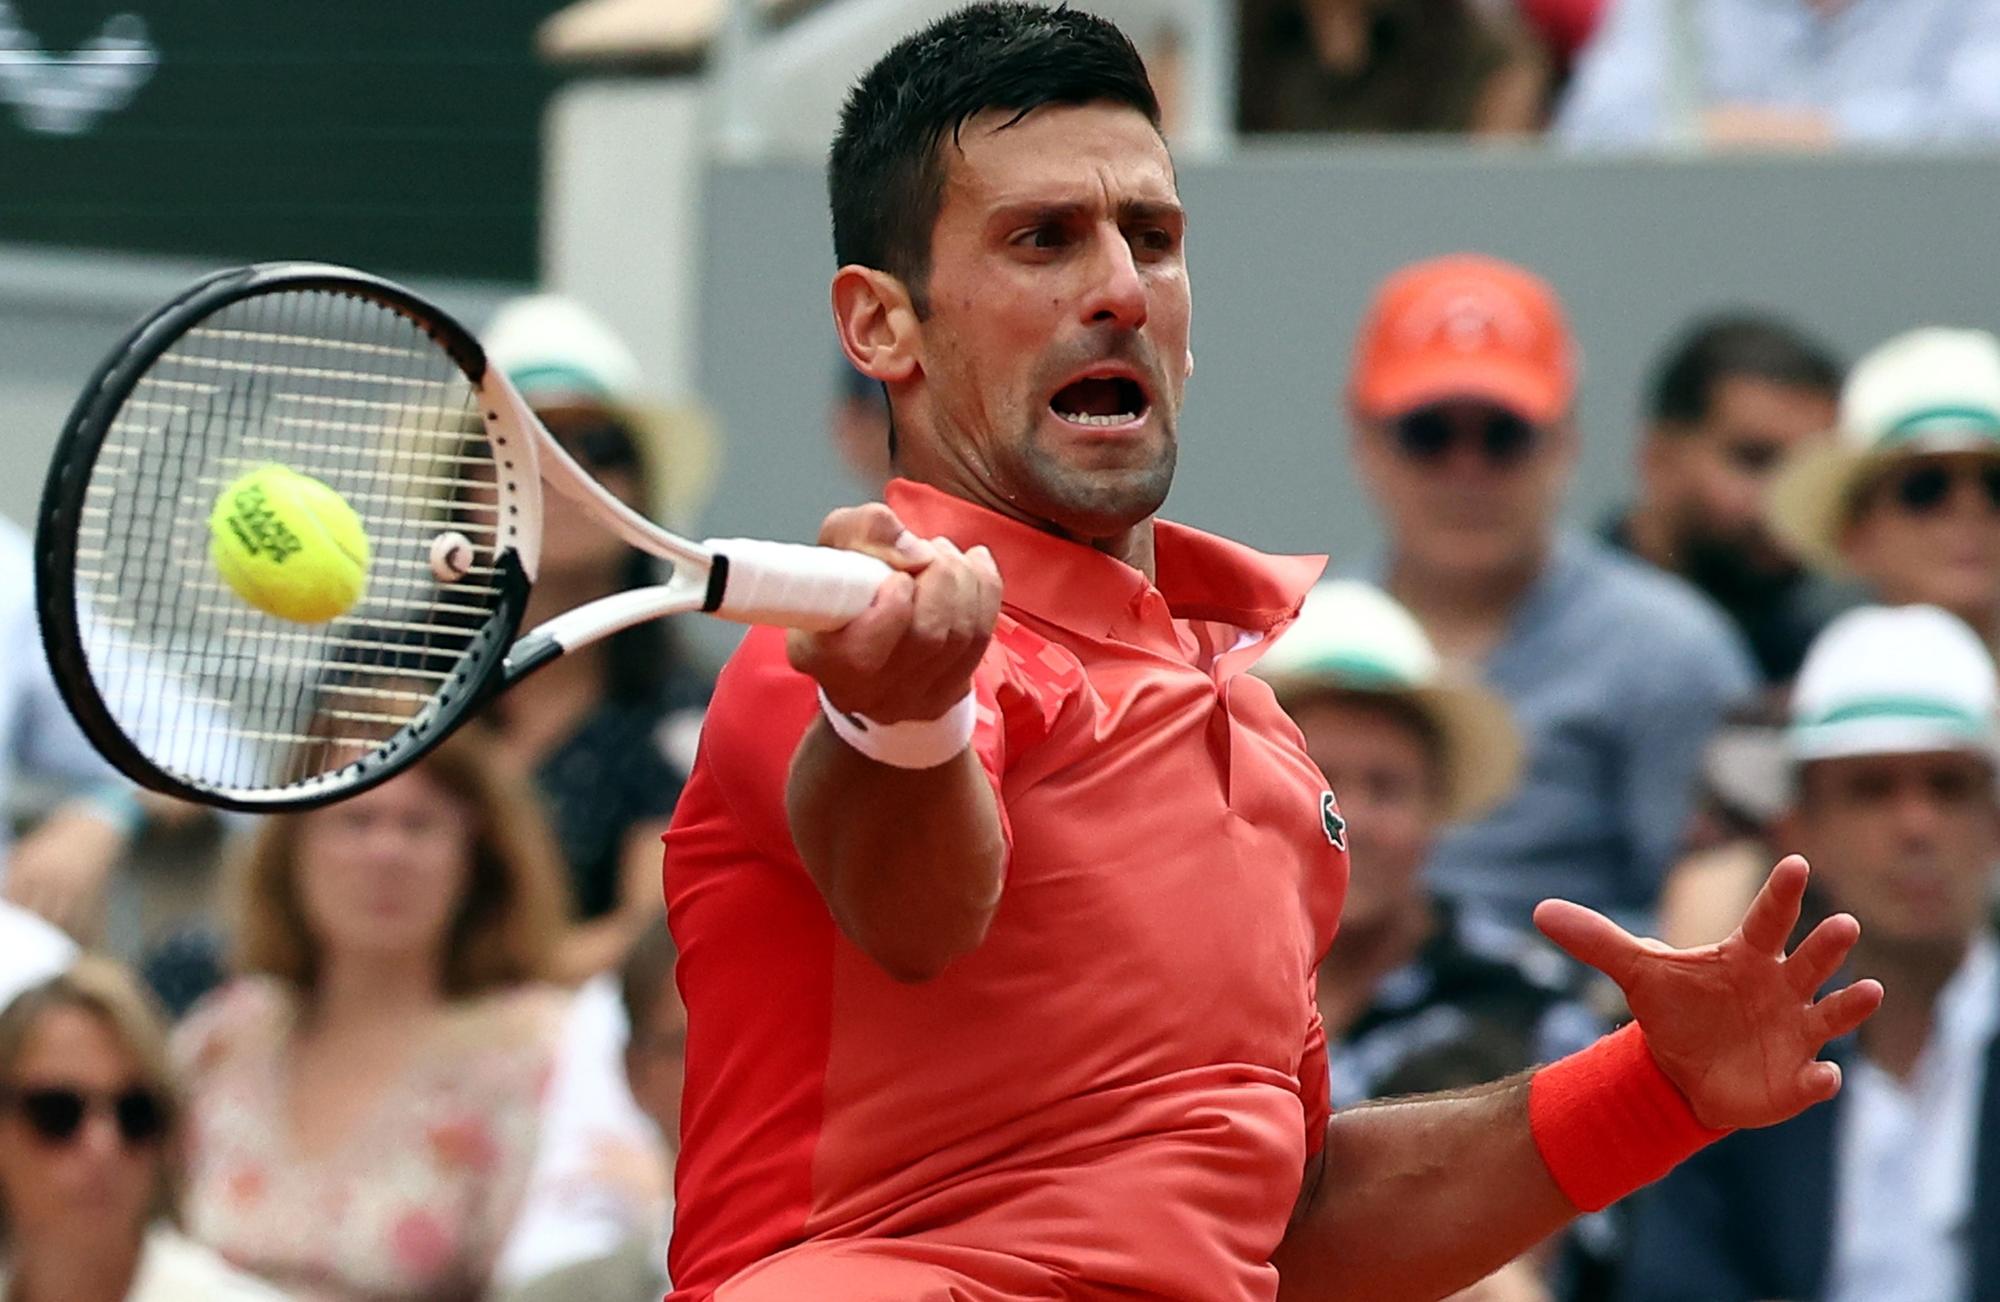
(1591, 938)
(874, 529)
(1819, 1081)
(1843, 1010)
(1775, 911)
(1820, 955)
(911, 654)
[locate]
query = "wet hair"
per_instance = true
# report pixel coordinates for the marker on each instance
(1720, 348)
(886, 172)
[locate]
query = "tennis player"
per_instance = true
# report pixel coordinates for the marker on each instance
(999, 908)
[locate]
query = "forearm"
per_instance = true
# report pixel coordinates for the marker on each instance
(1414, 1199)
(910, 861)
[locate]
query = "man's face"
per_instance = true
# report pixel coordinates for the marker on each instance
(1710, 479)
(1052, 359)
(1928, 530)
(1465, 488)
(1906, 843)
(1385, 774)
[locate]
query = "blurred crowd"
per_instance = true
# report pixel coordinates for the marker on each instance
(1622, 74)
(426, 1046)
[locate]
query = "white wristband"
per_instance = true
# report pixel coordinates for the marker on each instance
(919, 744)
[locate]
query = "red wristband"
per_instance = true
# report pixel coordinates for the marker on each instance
(1608, 1121)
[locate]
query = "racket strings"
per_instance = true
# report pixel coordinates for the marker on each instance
(334, 386)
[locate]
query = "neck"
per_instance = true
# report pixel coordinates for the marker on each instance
(1464, 611)
(376, 987)
(1912, 979)
(47, 1268)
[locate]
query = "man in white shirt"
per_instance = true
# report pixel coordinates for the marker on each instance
(1798, 73)
(1893, 1193)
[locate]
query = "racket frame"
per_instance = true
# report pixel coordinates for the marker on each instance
(479, 666)
(747, 580)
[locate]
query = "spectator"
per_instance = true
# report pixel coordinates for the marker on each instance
(89, 1120)
(1387, 66)
(1410, 751)
(1460, 399)
(1417, 992)
(61, 869)
(1892, 1191)
(1907, 498)
(366, 1094)
(1745, 786)
(1730, 400)
(655, 1060)
(1788, 73)
(599, 1181)
(608, 732)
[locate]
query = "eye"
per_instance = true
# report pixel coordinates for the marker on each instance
(1048, 235)
(1157, 239)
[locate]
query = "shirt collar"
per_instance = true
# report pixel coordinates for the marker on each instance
(1200, 576)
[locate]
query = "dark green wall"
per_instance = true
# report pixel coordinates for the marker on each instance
(400, 135)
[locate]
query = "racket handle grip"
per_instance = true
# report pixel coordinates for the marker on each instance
(791, 584)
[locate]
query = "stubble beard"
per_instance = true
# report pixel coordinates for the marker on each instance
(1093, 503)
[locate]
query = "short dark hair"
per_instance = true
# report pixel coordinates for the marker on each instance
(885, 176)
(1738, 345)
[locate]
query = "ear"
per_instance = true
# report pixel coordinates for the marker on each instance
(1188, 374)
(877, 323)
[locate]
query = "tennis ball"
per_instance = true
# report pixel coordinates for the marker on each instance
(289, 545)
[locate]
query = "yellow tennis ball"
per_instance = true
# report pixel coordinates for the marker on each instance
(289, 545)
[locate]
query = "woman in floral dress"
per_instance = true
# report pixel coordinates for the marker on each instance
(366, 1093)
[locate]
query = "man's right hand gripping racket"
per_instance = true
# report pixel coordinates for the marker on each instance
(361, 385)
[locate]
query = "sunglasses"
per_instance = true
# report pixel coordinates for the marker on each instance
(607, 445)
(56, 1114)
(1429, 434)
(1924, 489)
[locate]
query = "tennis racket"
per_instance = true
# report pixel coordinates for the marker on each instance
(366, 387)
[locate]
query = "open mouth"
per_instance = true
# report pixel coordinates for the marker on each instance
(1101, 400)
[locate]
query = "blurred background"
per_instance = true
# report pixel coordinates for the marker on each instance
(1829, 165)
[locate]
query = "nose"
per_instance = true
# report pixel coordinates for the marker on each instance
(98, 1139)
(1116, 294)
(1917, 811)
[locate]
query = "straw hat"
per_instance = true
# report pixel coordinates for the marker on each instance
(1925, 392)
(1352, 637)
(560, 354)
(1886, 680)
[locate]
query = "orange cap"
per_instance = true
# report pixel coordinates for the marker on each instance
(1465, 326)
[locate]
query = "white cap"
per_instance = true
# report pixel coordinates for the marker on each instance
(1352, 637)
(559, 353)
(1894, 681)
(1928, 391)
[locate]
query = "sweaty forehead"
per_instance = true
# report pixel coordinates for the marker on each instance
(1058, 153)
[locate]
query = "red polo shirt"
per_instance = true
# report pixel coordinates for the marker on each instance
(1119, 1088)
